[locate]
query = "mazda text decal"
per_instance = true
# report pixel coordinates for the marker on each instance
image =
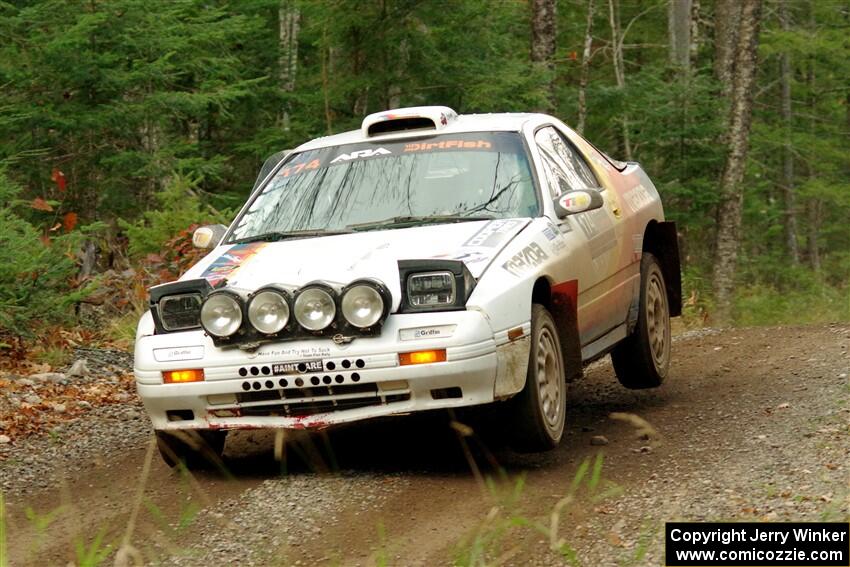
(529, 257)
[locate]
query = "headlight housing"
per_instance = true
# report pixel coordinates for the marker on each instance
(363, 304)
(176, 306)
(268, 311)
(431, 289)
(434, 285)
(221, 314)
(180, 312)
(315, 308)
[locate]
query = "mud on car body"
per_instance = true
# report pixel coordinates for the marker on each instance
(425, 261)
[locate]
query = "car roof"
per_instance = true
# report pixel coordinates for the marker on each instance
(496, 122)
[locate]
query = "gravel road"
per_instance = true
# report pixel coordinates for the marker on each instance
(751, 425)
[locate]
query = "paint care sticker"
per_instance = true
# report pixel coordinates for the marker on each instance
(226, 265)
(435, 332)
(637, 198)
(492, 233)
(575, 201)
(297, 367)
(173, 354)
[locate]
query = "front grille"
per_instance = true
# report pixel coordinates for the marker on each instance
(309, 401)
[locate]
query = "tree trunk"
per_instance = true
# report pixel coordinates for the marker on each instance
(289, 19)
(619, 72)
(543, 36)
(326, 63)
(585, 69)
(358, 65)
(727, 15)
(695, 35)
(813, 204)
(400, 63)
(679, 28)
(788, 191)
(813, 210)
(731, 186)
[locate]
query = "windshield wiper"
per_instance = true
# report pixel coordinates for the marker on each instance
(394, 222)
(293, 234)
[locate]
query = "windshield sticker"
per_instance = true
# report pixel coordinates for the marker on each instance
(297, 168)
(492, 233)
(335, 155)
(448, 145)
(228, 263)
(527, 258)
(362, 154)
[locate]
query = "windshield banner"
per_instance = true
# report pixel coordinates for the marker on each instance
(501, 142)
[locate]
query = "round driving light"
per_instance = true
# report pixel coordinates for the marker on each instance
(362, 306)
(268, 312)
(314, 309)
(221, 315)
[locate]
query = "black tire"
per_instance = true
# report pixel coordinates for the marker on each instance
(195, 449)
(642, 360)
(537, 413)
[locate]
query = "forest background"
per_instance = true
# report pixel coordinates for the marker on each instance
(124, 124)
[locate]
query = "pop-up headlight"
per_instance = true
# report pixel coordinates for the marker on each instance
(431, 289)
(176, 306)
(434, 285)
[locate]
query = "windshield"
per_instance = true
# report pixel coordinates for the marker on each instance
(376, 185)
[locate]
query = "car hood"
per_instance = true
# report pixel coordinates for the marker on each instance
(343, 258)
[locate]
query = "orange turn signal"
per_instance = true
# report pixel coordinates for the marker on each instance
(422, 357)
(182, 376)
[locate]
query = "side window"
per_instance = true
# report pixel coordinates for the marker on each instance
(551, 177)
(564, 165)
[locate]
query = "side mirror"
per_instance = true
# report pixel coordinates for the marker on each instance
(208, 237)
(577, 201)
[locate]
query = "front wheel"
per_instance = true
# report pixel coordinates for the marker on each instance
(195, 449)
(538, 411)
(642, 359)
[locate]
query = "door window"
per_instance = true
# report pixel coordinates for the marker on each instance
(562, 162)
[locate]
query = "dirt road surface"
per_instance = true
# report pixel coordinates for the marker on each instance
(751, 425)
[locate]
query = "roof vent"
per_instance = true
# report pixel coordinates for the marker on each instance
(408, 119)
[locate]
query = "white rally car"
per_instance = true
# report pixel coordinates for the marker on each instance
(425, 261)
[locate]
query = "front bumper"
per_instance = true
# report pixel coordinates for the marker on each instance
(357, 381)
